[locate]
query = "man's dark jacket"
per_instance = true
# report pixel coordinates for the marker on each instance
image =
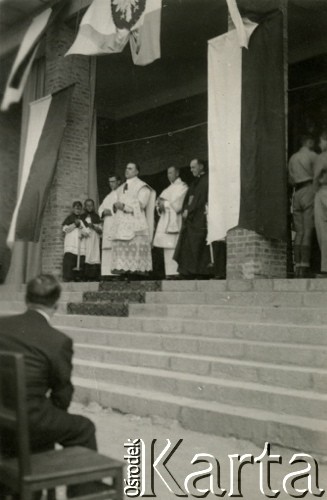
(48, 367)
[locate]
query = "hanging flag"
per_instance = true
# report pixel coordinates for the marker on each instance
(108, 25)
(24, 60)
(47, 121)
(241, 30)
(263, 206)
(224, 131)
(246, 132)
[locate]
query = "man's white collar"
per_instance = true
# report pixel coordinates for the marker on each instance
(43, 313)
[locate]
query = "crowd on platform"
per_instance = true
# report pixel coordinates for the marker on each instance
(132, 220)
(308, 176)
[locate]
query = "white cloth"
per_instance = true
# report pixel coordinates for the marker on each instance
(107, 204)
(30, 42)
(170, 221)
(106, 257)
(98, 33)
(106, 262)
(92, 244)
(138, 215)
(224, 132)
(133, 227)
(171, 265)
(74, 239)
(38, 112)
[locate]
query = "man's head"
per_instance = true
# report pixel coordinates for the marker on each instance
(172, 174)
(197, 167)
(308, 141)
(114, 181)
(132, 170)
(323, 141)
(89, 205)
(43, 292)
(77, 208)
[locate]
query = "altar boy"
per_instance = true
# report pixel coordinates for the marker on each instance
(74, 243)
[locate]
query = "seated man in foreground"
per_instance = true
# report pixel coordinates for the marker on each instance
(48, 367)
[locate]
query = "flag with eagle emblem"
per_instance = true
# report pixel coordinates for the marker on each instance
(108, 25)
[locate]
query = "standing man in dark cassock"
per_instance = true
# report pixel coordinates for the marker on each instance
(192, 252)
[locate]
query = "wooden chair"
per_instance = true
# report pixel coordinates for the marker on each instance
(29, 473)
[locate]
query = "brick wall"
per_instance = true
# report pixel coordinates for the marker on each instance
(10, 123)
(71, 179)
(250, 256)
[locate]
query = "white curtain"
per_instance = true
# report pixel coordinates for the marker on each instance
(26, 258)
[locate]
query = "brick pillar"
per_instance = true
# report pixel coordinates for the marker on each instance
(250, 256)
(71, 178)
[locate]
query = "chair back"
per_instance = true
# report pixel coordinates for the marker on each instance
(13, 409)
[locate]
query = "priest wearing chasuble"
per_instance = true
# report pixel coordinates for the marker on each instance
(169, 206)
(132, 227)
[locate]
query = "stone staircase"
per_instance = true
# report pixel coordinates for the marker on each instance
(242, 358)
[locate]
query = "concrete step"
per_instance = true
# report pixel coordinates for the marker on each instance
(250, 395)
(263, 352)
(262, 332)
(250, 298)
(279, 285)
(16, 296)
(257, 314)
(295, 377)
(116, 296)
(8, 307)
(195, 285)
(66, 287)
(211, 417)
(98, 308)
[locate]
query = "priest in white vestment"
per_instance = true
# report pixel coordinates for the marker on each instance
(133, 225)
(106, 213)
(169, 206)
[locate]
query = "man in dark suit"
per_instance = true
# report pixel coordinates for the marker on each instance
(192, 252)
(48, 367)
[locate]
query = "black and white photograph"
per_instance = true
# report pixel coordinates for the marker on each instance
(163, 249)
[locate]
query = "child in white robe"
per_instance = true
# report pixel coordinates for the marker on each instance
(92, 223)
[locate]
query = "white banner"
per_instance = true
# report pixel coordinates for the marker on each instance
(37, 116)
(224, 132)
(242, 34)
(35, 30)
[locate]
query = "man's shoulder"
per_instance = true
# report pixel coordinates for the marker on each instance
(32, 321)
(57, 337)
(204, 178)
(12, 318)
